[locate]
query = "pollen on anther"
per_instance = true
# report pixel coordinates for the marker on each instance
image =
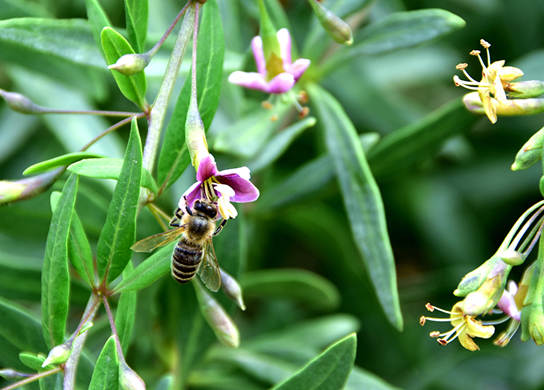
(461, 66)
(485, 44)
(442, 342)
(475, 52)
(434, 333)
(422, 320)
(456, 80)
(429, 307)
(267, 105)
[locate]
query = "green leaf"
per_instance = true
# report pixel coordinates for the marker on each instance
(362, 379)
(115, 46)
(362, 200)
(55, 277)
(60, 161)
(52, 382)
(17, 8)
(118, 234)
(109, 168)
(279, 144)
(149, 271)
(106, 371)
(405, 147)
(301, 285)
(34, 361)
(126, 311)
(328, 371)
(174, 157)
(98, 19)
(136, 12)
(79, 251)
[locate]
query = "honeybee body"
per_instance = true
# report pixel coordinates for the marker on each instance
(194, 251)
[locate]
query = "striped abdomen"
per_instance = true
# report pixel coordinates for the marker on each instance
(185, 260)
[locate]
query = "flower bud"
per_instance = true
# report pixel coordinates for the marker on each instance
(473, 280)
(10, 374)
(532, 316)
(232, 289)
(473, 103)
(20, 103)
(512, 257)
(485, 298)
(59, 354)
(130, 64)
(128, 379)
(222, 325)
(530, 153)
(14, 191)
(195, 135)
(336, 27)
(517, 107)
(525, 89)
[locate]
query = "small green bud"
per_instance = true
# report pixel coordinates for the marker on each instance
(14, 191)
(512, 257)
(336, 27)
(128, 379)
(485, 298)
(530, 153)
(525, 89)
(10, 374)
(222, 325)
(232, 289)
(130, 64)
(474, 280)
(195, 135)
(20, 103)
(10, 191)
(59, 354)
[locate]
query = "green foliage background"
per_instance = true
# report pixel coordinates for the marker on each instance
(449, 196)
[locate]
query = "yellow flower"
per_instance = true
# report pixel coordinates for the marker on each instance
(494, 82)
(465, 327)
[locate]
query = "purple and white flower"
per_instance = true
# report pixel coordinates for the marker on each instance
(507, 302)
(223, 187)
(277, 81)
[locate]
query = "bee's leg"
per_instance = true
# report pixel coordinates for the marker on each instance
(220, 227)
(176, 221)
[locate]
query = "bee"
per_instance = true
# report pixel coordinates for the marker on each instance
(194, 251)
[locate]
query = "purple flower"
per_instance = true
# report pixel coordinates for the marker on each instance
(507, 303)
(223, 187)
(283, 80)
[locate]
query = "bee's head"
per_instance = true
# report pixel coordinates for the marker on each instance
(207, 208)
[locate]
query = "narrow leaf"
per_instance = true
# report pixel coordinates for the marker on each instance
(119, 232)
(56, 162)
(136, 12)
(174, 157)
(55, 277)
(115, 46)
(126, 310)
(328, 371)
(98, 19)
(79, 251)
(297, 284)
(34, 361)
(109, 168)
(149, 271)
(106, 371)
(20, 328)
(362, 200)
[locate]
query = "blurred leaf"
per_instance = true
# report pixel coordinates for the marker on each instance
(136, 18)
(174, 157)
(98, 19)
(106, 371)
(34, 361)
(166, 383)
(362, 200)
(404, 147)
(279, 144)
(113, 248)
(148, 271)
(15, 130)
(115, 46)
(126, 312)
(56, 162)
(19, 8)
(297, 284)
(109, 168)
(277, 14)
(362, 379)
(79, 251)
(330, 370)
(55, 277)
(52, 382)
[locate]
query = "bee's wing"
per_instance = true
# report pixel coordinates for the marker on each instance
(209, 269)
(150, 243)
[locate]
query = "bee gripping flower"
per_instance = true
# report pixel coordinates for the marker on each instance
(223, 187)
(277, 74)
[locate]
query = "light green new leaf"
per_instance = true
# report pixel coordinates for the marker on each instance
(98, 19)
(174, 157)
(136, 12)
(55, 277)
(109, 168)
(297, 284)
(34, 361)
(118, 234)
(56, 162)
(115, 46)
(328, 371)
(147, 272)
(106, 372)
(126, 311)
(362, 199)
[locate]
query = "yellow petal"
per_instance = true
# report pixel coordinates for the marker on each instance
(476, 329)
(467, 342)
(509, 73)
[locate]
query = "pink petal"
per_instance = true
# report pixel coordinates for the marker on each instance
(285, 46)
(192, 194)
(258, 54)
(244, 190)
(243, 172)
(298, 67)
(206, 168)
(281, 83)
(250, 80)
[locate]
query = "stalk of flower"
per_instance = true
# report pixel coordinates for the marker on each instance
(491, 88)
